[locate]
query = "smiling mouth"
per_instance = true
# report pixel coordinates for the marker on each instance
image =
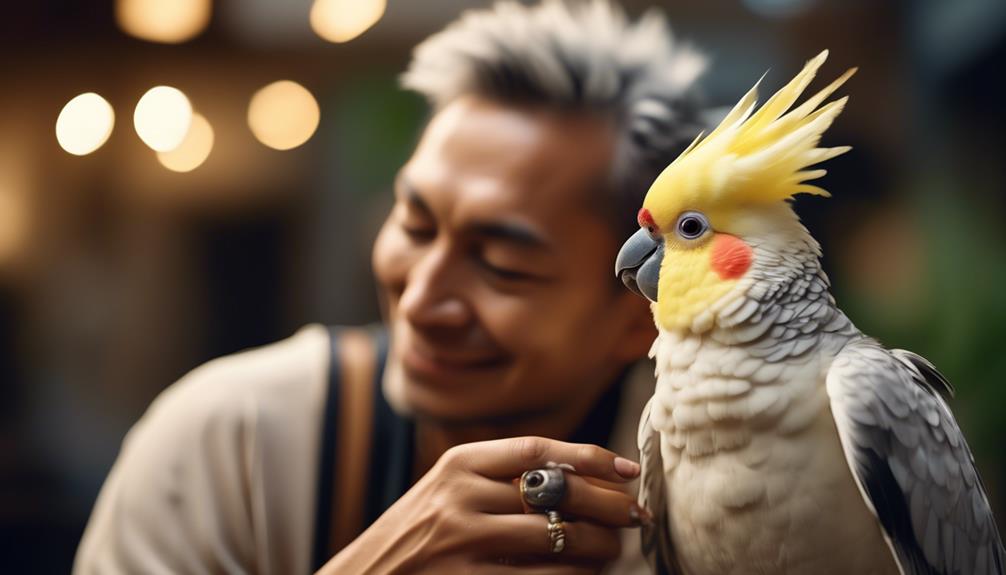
(432, 362)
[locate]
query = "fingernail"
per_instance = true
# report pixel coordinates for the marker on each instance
(626, 468)
(640, 515)
(644, 515)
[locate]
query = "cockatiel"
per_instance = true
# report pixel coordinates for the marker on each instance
(780, 438)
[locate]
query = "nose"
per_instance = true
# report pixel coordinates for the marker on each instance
(432, 294)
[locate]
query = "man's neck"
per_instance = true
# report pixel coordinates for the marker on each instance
(433, 438)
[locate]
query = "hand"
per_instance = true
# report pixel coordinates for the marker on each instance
(466, 514)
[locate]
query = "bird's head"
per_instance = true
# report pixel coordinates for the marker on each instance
(723, 203)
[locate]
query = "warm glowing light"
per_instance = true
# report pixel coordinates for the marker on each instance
(162, 118)
(167, 21)
(84, 124)
(343, 20)
(193, 150)
(13, 224)
(283, 115)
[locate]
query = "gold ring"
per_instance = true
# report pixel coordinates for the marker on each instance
(556, 532)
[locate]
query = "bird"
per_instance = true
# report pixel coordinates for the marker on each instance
(779, 437)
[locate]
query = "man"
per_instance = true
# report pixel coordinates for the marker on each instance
(508, 333)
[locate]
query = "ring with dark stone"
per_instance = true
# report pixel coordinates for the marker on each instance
(543, 489)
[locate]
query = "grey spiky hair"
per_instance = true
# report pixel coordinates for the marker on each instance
(575, 55)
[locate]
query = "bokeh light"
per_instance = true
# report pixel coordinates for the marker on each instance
(162, 118)
(193, 150)
(165, 21)
(283, 115)
(84, 124)
(13, 216)
(343, 20)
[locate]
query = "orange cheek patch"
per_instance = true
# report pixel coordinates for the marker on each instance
(731, 257)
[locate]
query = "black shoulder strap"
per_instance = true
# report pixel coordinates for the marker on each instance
(391, 456)
(326, 459)
(390, 472)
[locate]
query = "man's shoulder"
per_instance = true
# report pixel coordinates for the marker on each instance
(256, 402)
(233, 433)
(295, 365)
(288, 378)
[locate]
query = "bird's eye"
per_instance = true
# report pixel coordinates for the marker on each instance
(691, 225)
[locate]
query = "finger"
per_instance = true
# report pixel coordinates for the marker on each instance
(527, 535)
(609, 507)
(584, 500)
(607, 484)
(508, 458)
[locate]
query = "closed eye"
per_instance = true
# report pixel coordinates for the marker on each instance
(505, 273)
(419, 234)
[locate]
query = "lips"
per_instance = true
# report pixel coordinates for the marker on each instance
(419, 358)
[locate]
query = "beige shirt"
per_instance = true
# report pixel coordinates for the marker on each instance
(220, 474)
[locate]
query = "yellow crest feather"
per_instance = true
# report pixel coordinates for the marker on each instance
(756, 156)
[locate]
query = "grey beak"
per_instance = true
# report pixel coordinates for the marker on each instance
(638, 264)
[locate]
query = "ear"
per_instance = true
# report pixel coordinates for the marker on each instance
(638, 330)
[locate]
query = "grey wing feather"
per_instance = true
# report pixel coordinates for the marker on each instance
(656, 537)
(911, 461)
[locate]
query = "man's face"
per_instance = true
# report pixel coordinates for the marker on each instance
(496, 266)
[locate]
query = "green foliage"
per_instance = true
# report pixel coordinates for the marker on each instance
(375, 127)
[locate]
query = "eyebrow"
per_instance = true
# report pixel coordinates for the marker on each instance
(512, 232)
(509, 231)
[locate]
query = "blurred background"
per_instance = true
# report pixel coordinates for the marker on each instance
(122, 268)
